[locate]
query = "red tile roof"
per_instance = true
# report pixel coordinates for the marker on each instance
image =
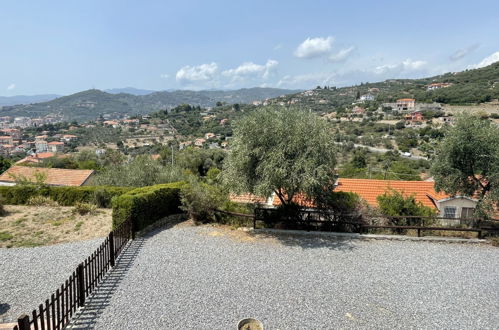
(369, 190)
(55, 176)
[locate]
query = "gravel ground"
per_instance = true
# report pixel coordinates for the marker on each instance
(210, 278)
(29, 275)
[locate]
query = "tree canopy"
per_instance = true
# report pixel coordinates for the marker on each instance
(467, 160)
(281, 150)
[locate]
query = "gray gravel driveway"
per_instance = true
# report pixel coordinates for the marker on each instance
(209, 278)
(28, 276)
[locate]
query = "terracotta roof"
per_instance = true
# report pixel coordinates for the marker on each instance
(247, 199)
(369, 190)
(55, 176)
(406, 100)
(5, 137)
(54, 143)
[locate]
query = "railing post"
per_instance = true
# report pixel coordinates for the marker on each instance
(111, 249)
(254, 218)
(81, 285)
(23, 322)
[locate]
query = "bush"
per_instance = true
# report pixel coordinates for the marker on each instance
(84, 208)
(146, 205)
(65, 196)
(200, 200)
(394, 203)
(39, 200)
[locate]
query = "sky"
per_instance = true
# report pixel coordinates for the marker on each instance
(63, 47)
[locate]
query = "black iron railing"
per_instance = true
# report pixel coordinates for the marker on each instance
(56, 312)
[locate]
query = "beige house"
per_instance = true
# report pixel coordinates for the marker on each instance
(456, 207)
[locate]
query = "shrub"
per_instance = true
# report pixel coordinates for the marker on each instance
(147, 205)
(65, 196)
(394, 203)
(200, 200)
(84, 208)
(39, 200)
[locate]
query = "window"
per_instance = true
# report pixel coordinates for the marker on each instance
(449, 212)
(467, 212)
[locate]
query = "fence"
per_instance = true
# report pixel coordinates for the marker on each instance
(55, 313)
(326, 220)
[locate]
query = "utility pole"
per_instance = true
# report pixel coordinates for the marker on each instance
(172, 154)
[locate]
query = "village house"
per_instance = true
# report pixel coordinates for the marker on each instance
(434, 86)
(69, 138)
(56, 146)
(37, 158)
(199, 142)
(51, 176)
(6, 140)
(358, 110)
(367, 97)
(414, 117)
(405, 104)
(41, 146)
(209, 136)
(15, 133)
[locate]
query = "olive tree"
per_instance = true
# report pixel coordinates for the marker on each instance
(281, 150)
(467, 160)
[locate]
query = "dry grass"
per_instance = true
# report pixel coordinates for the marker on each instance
(27, 226)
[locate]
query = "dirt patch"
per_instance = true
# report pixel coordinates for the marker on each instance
(27, 226)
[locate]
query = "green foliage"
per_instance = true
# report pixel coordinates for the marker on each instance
(340, 202)
(65, 196)
(147, 205)
(280, 150)
(39, 200)
(84, 208)
(200, 200)
(5, 164)
(141, 171)
(394, 203)
(5, 236)
(467, 160)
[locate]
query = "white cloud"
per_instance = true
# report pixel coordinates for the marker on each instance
(314, 47)
(342, 54)
(11, 87)
(460, 53)
(486, 61)
(250, 69)
(164, 75)
(404, 66)
(201, 72)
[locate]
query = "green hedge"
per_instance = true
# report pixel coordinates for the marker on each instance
(65, 196)
(147, 205)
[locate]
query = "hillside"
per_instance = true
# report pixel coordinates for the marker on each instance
(466, 88)
(26, 99)
(88, 105)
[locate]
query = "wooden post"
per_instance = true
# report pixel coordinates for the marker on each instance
(111, 249)
(254, 218)
(81, 286)
(23, 322)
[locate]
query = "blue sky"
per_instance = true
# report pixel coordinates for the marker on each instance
(67, 46)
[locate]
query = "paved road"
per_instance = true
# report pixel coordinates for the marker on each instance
(383, 150)
(208, 278)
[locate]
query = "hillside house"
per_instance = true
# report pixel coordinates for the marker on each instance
(41, 146)
(358, 110)
(405, 104)
(36, 158)
(69, 138)
(434, 86)
(56, 146)
(367, 97)
(52, 176)
(6, 140)
(208, 136)
(199, 142)
(414, 117)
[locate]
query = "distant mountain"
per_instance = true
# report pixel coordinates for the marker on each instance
(129, 90)
(26, 99)
(89, 104)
